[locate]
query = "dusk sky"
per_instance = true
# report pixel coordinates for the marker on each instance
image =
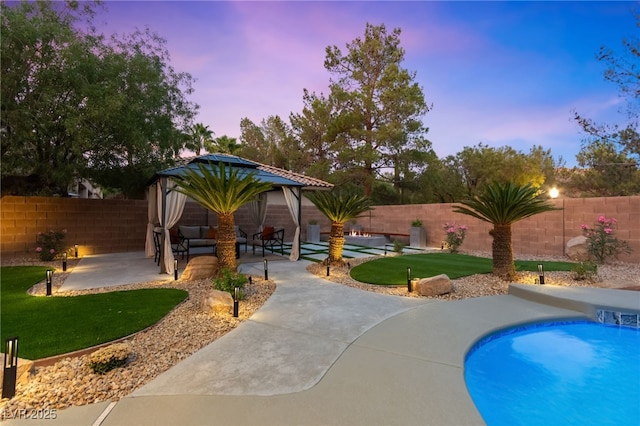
(501, 73)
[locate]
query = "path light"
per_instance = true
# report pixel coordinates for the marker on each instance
(76, 248)
(409, 279)
(236, 297)
(250, 280)
(385, 249)
(64, 261)
(348, 266)
(266, 270)
(49, 280)
(175, 269)
(541, 272)
(328, 271)
(10, 367)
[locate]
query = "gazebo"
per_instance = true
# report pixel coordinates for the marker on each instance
(166, 205)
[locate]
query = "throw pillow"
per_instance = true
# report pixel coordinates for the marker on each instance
(212, 233)
(267, 233)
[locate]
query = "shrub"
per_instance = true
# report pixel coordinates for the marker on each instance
(585, 271)
(108, 358)
(398, 246)
(50, 244)
(228, 281)
(601, 243)
(455, 236)
(416, 223)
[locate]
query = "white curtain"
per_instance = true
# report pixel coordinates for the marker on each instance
(152, 217)
(175, 204)
(293, 202)
(258, 210)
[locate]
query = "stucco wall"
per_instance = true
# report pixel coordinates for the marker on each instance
(104, 226)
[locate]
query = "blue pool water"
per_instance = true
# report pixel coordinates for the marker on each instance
(578, 373)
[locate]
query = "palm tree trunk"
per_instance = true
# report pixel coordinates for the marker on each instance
(336, 243)
(503, 252)
(226, 241)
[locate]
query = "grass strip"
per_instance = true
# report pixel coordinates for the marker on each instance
(48, 326)
(393, 270)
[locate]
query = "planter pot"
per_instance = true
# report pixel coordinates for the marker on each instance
(313, 233)
(417, 237)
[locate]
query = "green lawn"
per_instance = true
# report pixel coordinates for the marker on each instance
(393, 270)
(49, 326)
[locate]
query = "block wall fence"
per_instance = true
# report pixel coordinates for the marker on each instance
(109, 226)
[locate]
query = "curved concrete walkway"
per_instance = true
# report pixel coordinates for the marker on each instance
(319, 353)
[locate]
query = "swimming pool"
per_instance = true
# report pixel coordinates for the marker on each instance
(582, 373)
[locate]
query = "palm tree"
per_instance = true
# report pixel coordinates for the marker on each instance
(223, 144)
(339, 208)
(503, 204)
(199, 137)
(222, 191)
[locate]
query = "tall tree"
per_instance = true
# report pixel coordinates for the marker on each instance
(222, 190)
(503, 204)
(77, 105)
(224, 144)
(378, 103)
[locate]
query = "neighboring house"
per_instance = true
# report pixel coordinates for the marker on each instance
(84, 189)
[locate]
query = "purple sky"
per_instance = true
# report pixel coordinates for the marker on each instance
(501, 73)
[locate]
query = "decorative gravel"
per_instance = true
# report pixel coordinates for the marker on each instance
(188, 328)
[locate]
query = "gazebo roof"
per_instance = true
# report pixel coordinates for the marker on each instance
(263, 172)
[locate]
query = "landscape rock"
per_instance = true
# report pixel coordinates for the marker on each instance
(434, 286)
(200, 267)
(218, 302)
(577, 249)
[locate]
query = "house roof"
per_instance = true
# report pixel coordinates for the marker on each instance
(263, 172)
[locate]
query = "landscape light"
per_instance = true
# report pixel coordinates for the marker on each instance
(327, 270)
(76, 247)
(541, 272)
(236, 297)
(64, 261)
(10, 372)
(409, 279)
(266, 270)
(49, 281)
(175, 269)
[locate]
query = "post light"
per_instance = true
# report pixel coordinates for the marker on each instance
(175, 269)
(409, 279)
(385, 249)
(266, 270)
(64, 261)
(328, 270)
(10, 367)
(250, 280)
(348, 266)
(541, 273)
(76, 248)
(236, 297)
(49, 281)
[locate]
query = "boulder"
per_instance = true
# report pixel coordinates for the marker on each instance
(577, 249)
(200, 267)
(434, 286)
(218, 302)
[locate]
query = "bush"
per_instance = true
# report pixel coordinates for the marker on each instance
(50, 244)
(108, 358)
(455, 236)
(601, 243)
(416, 223)
(585, 271)
(228, 281)
(398, 246)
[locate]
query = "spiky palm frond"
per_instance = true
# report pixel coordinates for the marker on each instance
(340, 207)
(220, 189)
(505, 203)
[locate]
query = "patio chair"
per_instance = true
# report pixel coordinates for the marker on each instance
(241, 238)
(179, 245)
(270, 237)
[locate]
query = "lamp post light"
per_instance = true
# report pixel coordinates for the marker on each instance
(64, 261)
(49, 281)
(266, 270)
(76, 249)
(409, 279)
(541, 273)
(10, 372)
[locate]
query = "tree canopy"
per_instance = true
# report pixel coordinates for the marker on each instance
(76, 104)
